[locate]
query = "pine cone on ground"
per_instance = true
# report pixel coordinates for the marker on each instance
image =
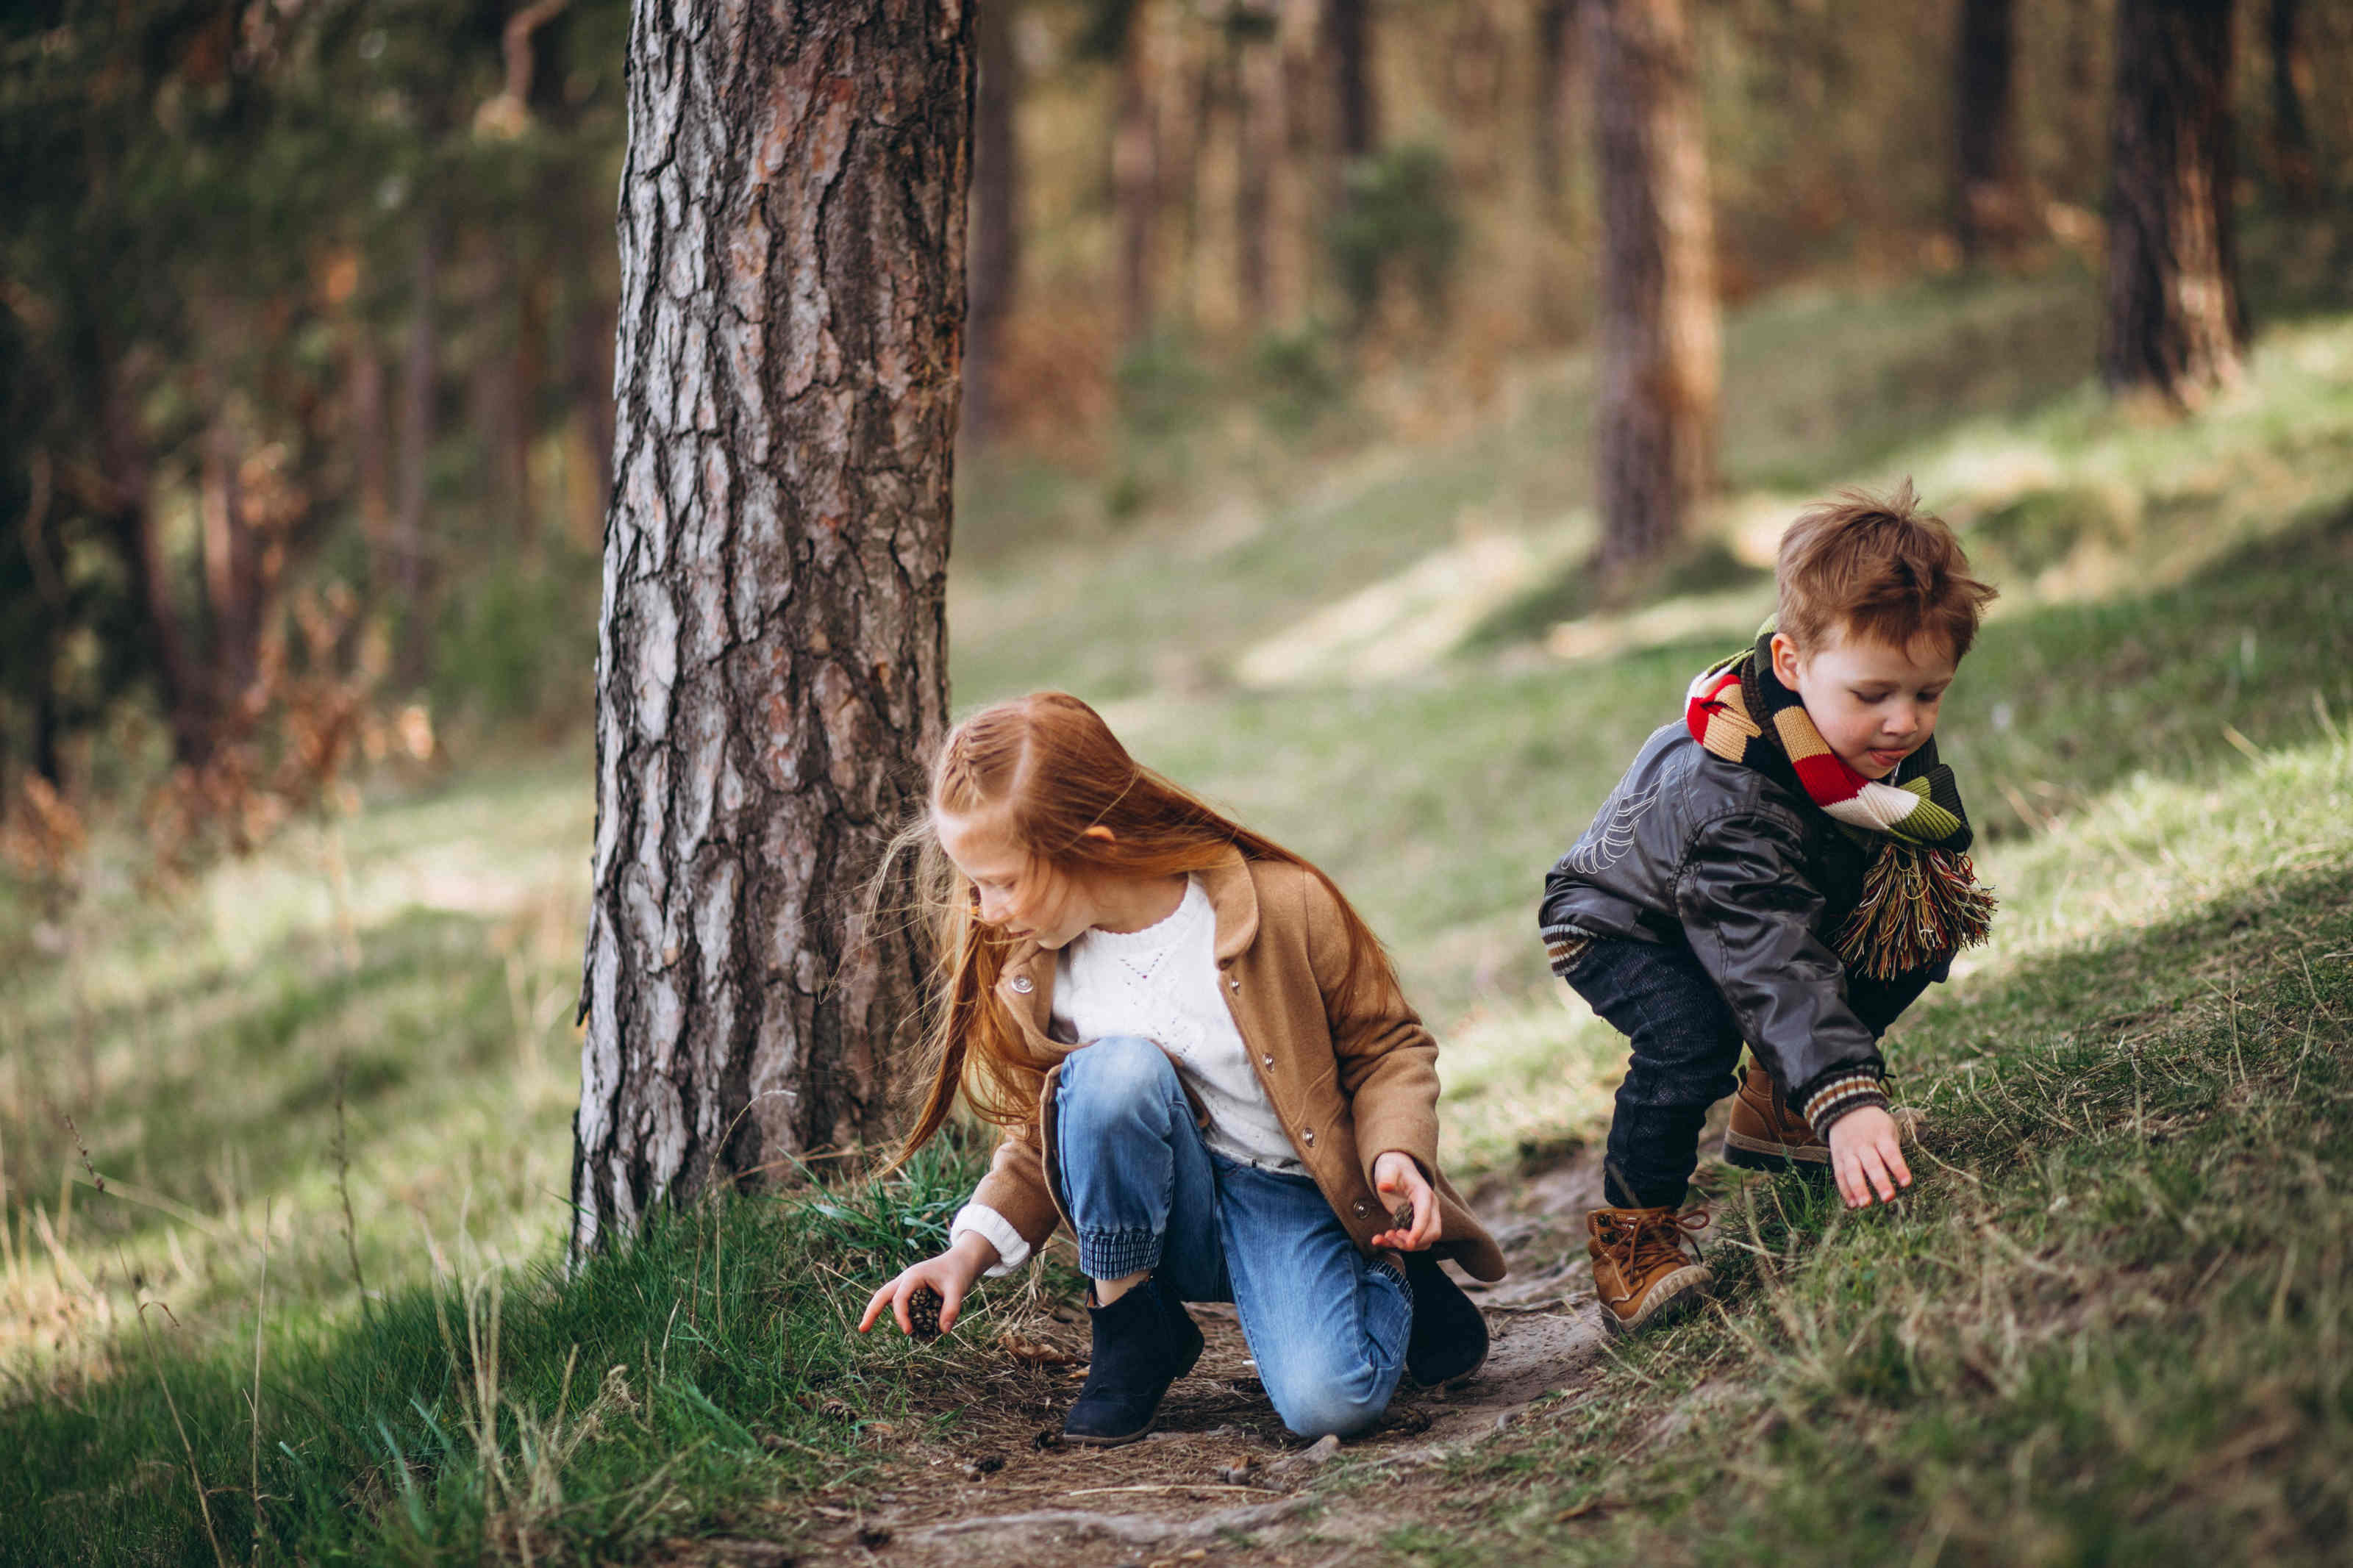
(923, 1311)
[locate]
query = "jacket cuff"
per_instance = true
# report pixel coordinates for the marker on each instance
(1564, 945)
(1012, 1251)
(1839, 1093)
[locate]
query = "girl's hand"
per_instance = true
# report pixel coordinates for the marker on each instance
(951, 1274)
(1397, 1178)
(1868, 1157)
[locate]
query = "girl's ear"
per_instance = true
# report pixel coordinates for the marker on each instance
(1100, 831)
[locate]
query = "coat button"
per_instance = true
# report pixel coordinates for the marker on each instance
(1363, 1208)
(1233, 985)
(1309, 1135)
(1268, 1061)
(1023, 984)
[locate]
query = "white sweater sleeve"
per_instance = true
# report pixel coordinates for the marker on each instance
(1012, 1252)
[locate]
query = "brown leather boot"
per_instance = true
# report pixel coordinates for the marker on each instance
(1645, 1264)
(1768, 1134)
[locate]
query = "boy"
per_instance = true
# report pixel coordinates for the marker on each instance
(1786, 864)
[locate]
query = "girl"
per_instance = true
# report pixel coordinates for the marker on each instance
(1201, 1059)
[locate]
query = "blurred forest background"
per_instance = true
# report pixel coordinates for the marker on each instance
(307, 309)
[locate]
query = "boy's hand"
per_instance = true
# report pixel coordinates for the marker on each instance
(1868, 1157)
(1397, 1178)
(951, 1274)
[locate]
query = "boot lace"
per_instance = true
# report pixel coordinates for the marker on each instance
(1640, 1242)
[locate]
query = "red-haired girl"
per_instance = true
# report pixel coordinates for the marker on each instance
(1201, 1058)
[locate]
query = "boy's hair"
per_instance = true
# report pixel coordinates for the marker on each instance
(1880, 568)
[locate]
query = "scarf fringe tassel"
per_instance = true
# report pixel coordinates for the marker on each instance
(1918, 905)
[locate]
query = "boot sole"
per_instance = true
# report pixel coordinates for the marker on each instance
(1670, 1298)
(1454, 1380)
(1149, 1422)
(1763, 1155)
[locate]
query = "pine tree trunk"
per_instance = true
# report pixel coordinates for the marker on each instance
(1258, 155)
(1348, 30)
(2175, 323)
(1555, 102)
(2294, 164)
(1136, 180)
(1660, 339)
(371, 444)
(419, 385)
(1988, 212)
(771, 665)
(996, 216)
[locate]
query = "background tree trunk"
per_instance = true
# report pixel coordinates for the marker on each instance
(1989, 208)
(1135, 179)
(771, 665)
(1660, 337)
(2293, 160)
(1349, 32)
(2174, 319)
(420, 387)
(995, 215)
(1556, 102)
(1258, 155)
(370, 440)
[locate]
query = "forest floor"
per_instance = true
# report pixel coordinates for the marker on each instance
(310, 1315)
(1218, 1472)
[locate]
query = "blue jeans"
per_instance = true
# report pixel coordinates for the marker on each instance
(1685, 1045)
(1327, 1324)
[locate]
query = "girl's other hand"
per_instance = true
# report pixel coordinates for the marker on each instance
(951, 1274)
(1397, 1178)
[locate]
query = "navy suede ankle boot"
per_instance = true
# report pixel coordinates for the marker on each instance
(1449, 1339)
(1143, 1343)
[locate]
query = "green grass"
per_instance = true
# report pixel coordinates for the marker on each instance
(2168, 588)
(2110, 1323)
(694, 1380)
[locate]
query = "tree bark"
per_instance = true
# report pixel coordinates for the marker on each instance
(2294, 164)
(419, 376)
(1258, 152)
(1135, 179)
(771, 664)
(1348, 33)
(371, 453)
(1988, 206)
(1660, 338)
(2174, 320)
(1556, 102)
(996, 216)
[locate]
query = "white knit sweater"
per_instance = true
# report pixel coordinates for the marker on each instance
(1161, 982)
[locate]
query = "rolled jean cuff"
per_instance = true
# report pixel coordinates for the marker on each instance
(1116, 1254)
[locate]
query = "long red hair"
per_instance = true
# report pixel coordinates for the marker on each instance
(1052, 768)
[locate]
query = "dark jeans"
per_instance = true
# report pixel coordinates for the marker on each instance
(1685, 1047)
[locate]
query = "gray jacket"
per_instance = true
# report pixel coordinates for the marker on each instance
(1692, 848)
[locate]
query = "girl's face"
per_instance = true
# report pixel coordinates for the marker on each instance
(1874, 703)
(1018, 891)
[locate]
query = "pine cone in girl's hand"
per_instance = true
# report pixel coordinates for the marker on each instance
(923, 1311)
(1403, 1218)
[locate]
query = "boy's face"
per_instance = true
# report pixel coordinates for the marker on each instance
(1874, 703)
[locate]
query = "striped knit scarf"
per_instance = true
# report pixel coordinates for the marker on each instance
(1921, 901)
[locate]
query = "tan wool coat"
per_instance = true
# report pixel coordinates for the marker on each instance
(1350, 1076)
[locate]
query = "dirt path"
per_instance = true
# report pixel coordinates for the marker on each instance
(1218, 1478)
